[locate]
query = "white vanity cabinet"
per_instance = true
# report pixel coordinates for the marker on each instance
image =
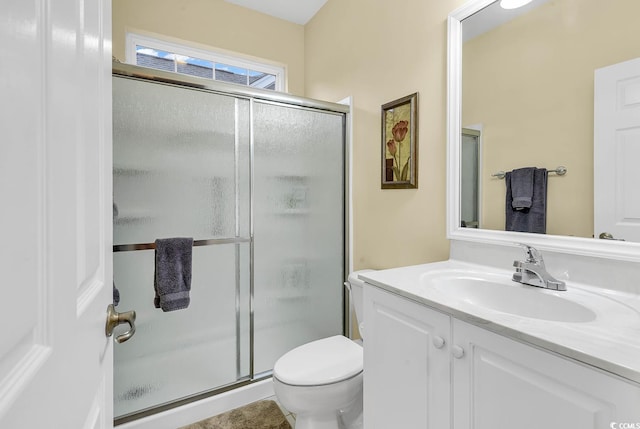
(502, 383)
(475, 378)
(407, 369)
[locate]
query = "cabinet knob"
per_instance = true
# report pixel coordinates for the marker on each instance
(438, 342)
(457, 352)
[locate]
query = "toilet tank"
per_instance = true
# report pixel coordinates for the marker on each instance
(355, 286)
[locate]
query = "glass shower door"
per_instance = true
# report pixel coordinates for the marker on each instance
(181, 169)
(298, 228)
(470, 179)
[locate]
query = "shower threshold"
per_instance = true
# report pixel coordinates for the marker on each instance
(135, 416)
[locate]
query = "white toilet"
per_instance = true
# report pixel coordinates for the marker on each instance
(321, 381)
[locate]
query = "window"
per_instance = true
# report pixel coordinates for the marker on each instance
(159, 54)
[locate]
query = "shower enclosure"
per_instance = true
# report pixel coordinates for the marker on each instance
(470, 179)
(257, 178)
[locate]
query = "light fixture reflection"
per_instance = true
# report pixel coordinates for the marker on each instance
(513, 4)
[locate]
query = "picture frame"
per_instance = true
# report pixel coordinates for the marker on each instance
(400, 143)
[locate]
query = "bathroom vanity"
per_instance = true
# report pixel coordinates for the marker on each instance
(459, 344)
(438, 356)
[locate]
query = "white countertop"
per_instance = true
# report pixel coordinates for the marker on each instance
(610, 342)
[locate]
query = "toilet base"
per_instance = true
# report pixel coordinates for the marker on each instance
(351, 419)
(327, 421)
(334, 406)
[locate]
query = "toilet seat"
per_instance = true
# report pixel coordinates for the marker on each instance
(320, 362)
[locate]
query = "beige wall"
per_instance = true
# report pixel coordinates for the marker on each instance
(216, 24)
(378, 51)
(530, 84)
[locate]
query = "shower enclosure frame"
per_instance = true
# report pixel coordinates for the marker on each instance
(251, 95)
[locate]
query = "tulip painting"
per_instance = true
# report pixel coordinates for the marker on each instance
(399, 143)
(399, 132)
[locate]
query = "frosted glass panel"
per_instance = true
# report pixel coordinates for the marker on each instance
(176, 162)
(179, 353)
(298, 229)
(469, 181)
(181, 168)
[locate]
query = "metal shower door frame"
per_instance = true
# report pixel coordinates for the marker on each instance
(252, 95)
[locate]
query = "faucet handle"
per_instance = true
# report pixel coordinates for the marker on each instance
(533, 255)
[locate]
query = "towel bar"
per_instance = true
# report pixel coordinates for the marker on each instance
(209, 242)
(560, 171)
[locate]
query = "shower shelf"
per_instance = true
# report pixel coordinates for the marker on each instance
(293, 212)
(133, 220)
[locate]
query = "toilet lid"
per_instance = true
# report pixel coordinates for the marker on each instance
(320, 362)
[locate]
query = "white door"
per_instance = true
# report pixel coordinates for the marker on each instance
(617, 151)
(55, 214)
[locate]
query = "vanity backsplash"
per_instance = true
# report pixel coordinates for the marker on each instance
(607, 273)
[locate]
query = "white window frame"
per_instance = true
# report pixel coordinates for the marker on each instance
(184, 48)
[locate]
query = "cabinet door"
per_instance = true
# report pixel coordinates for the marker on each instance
(406, 363)
(501, 383)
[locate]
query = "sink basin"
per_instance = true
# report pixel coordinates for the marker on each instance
(510, 297)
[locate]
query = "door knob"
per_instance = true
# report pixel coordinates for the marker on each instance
(114, 319)
(608, 236)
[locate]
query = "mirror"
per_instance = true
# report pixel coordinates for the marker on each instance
(524, 79)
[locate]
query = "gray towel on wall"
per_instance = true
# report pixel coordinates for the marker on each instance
(534, 218)
(172, 279)
(521, 181)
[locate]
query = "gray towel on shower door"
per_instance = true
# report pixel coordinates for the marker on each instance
(116, 292)
(534, 218)
(116, 295)
(172, 279)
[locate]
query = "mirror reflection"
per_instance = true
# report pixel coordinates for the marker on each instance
(528, 101)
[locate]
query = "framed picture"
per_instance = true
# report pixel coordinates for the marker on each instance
(400, 143)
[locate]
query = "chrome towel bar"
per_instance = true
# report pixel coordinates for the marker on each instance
(209, 242)
(560, 171)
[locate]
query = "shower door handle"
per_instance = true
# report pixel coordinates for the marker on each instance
(114, 319)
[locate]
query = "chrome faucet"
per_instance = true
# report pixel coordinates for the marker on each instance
(533, 272)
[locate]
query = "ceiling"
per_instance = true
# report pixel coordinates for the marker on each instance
(296, 11)
(493, 16)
